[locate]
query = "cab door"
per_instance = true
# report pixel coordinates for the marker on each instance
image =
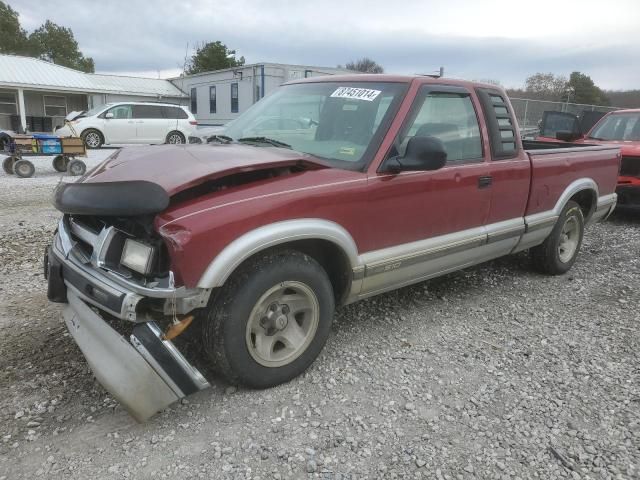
(152, 126)
(426, 223)
(119, 126)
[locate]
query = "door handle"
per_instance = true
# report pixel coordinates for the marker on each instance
(485, 181)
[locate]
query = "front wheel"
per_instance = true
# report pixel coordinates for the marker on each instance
(271, 320)
(92, 138)
(559, 251)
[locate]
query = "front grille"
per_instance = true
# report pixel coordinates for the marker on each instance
(630, 167)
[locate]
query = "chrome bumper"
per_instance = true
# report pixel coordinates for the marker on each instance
(145, 373)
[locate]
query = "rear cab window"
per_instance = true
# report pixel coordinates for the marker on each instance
(502, 126)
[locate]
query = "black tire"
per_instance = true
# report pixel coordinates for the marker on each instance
(24, 169)
(76, 168)
(92, 138)
(7, 165)
(175, 138)
(225, 330)
(5, 140)
(60, 163)
(547, 257)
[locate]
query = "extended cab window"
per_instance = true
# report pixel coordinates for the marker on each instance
(451, 118)
(121, 111)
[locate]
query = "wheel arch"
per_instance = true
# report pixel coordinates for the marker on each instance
(323, 240)
(584, 192)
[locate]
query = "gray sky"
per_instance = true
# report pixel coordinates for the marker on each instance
(505, 40)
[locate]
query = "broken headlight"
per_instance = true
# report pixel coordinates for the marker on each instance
(137, 256)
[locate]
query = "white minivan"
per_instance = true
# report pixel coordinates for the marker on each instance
(132, 122)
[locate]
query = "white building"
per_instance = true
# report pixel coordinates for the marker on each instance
(220, 96)
(36, 95)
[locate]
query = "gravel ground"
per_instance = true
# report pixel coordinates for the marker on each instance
(493, 372)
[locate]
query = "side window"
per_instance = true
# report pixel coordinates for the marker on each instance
(194, 100)
(500, 123)
(148, 111)
(234, 98)
(212, 99)
(451, 118)
(121, 112)
(174, 112)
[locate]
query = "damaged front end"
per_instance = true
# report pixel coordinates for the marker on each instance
(116, 307)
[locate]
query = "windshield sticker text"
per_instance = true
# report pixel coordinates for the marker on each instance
(356, 93)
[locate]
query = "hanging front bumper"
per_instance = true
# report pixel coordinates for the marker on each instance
(144, 373)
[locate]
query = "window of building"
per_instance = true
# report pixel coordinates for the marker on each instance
(194, 101)
(451, 118)
(234, 98)
(55, 106)
(8, 103)
(212, 99)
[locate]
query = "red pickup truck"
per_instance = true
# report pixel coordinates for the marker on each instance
(328, 191)
(621, 128)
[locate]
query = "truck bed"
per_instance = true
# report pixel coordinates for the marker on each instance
(554, 166)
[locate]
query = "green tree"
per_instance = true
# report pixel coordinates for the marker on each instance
(546, 86)
(583, 90)
(13, 39)
(365, 64)
(213, 56)
(58, 45)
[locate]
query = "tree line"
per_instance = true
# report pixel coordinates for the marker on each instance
(57, 44)
(50, 41)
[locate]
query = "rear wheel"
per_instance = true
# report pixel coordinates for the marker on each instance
(76, 168)
(271, 320)
(559, 251)
(7, 165)
(24, 168)
(92, 138)
(175, 138)
(60, 163)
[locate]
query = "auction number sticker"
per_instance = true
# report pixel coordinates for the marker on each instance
(356, 93)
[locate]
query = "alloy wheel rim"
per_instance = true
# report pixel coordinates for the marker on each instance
(569, 238)
(175, 139)
(93, 140)
(282, 324)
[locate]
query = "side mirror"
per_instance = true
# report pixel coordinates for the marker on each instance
(567, 136)
(108, 115)
(422, 154)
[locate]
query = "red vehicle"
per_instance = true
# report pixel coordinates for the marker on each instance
(326, 192)
(621, 128)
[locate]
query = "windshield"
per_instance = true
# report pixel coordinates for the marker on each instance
(336, 121)
(619, 126)
(95, 110)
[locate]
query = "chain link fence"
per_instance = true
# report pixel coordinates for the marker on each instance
(529, 112)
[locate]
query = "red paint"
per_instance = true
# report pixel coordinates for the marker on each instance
(378, 209)
(628, 148)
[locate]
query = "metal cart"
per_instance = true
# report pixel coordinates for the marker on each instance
(63, 150)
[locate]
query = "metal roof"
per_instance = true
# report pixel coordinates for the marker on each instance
(33, 73)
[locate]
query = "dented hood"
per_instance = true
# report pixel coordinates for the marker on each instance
(176, 168)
